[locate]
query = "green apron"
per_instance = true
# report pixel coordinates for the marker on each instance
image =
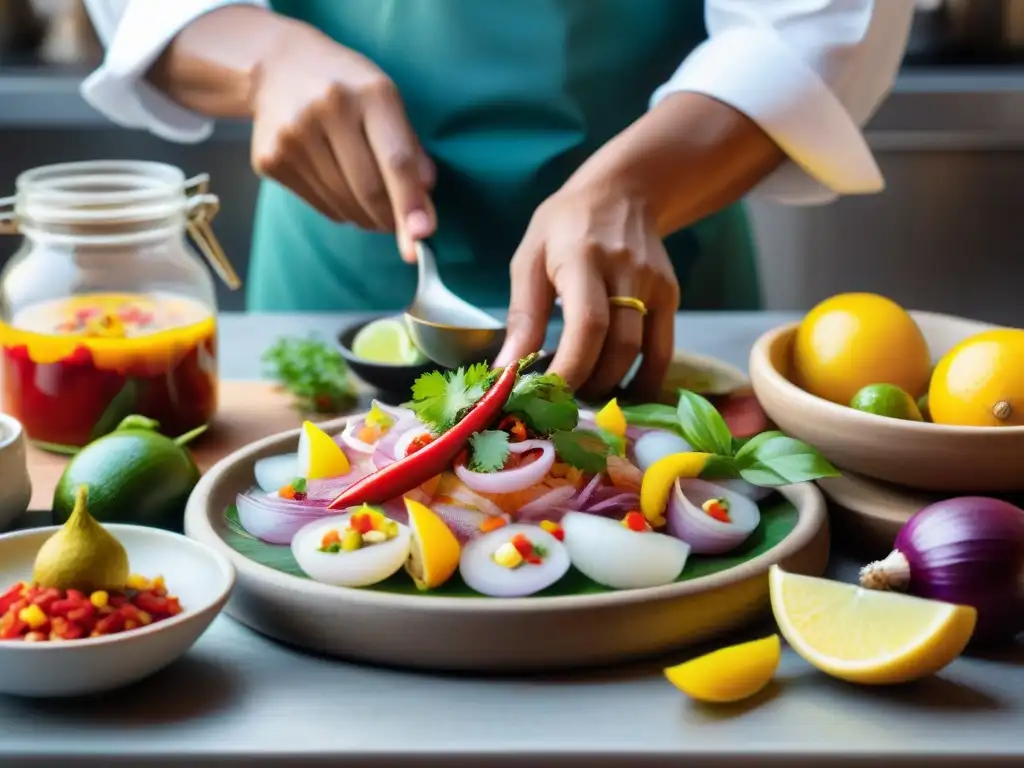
(509, 97)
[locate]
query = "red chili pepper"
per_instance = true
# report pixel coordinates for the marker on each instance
(434, 458)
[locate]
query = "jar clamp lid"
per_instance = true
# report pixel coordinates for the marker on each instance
(115, 192)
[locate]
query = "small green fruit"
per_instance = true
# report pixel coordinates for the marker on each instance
(886, 400)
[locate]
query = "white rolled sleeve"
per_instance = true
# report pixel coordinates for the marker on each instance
(135, 33)
(810, 74)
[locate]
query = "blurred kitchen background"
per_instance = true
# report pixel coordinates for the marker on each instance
(946, 235)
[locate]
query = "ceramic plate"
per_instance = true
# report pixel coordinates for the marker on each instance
(575, 623)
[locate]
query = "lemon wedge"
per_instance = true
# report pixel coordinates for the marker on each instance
(864, 636)
(612, 419)
(386, 341)
(319, 456)
(728, 674)
(435, 552)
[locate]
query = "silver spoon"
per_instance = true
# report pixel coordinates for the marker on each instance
(447, 329)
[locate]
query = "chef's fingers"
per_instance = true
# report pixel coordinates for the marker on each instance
(400, 160)
(658, 345)
(529, 305)
(298, 180)
(586, 313)
(622, 343)
(349, 145)
(327, 169)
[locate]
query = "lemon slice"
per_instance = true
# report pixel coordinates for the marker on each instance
(319, 456)
(435, 552)
(864, 636)
(728, 674)
(386, 341)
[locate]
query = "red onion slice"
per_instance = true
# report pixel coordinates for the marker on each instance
(485, 576)
(617, 505)
(274, 472)
(588, 491)
(704, 534)
(512, 480)
(275, 520)
(464, 522)
(550, 506)
(657, 444)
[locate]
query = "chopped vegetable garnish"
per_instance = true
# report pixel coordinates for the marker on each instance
(635, 521)
(508, 556)
(295, 490)
(531, 553)
(365, 527)
(553, 528)
(492, 523)
(611, 419)
(717, 509)
(515, 427)
(489, 451)
(377, 417)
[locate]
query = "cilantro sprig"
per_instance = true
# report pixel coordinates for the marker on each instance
(543, 401)
(488, 451)
(314, 372)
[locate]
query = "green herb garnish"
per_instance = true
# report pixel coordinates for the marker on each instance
(440, 400)
(489, 451)
(583, 449)
(314, 372)
(545, 403)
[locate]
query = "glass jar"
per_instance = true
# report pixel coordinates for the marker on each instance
(106, 310)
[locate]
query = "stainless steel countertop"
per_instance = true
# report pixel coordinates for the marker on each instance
(238, 699)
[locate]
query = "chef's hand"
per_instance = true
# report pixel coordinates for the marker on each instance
(587, 243)
(330, 126)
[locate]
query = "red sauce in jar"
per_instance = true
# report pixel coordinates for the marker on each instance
(71, 369)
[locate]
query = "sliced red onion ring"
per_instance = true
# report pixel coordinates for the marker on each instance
(617, 505)
(547, 507)
(464, 522)
(751, 491)
(512, 480)
(384, 452)
(482, 574)
(588, 491)
(704, 534)
(275, 520)
(348, 437)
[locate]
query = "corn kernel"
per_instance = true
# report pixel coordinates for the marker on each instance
(145, 618)
(34, 616)
(99, 599)
(135, 581)
(508, 556)
(353, 540)
(547, 525)
(374, 537)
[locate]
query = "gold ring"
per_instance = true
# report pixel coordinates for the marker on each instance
(628, 302)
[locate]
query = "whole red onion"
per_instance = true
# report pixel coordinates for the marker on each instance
(967, 550)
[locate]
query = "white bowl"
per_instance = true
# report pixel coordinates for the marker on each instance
(15, 485)
(200, 577)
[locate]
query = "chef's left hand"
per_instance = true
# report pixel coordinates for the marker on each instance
(586, 243)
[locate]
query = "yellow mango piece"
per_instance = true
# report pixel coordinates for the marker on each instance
(728, 674)
(661, 476)
(612, 419)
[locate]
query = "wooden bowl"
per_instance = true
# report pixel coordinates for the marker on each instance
(918, 455)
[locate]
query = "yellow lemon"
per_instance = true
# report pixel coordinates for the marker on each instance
(980, 382)
(434, 554)
(728, 674)
(864, 636)
(319, 456)
(855, 339)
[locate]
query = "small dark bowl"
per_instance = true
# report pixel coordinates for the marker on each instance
(394, 382)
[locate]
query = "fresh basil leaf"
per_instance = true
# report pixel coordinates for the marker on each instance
(720, 468)
(777, 459)
(582, 449)
(702, 425)
(652, 416)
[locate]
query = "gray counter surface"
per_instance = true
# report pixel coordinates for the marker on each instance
(239, 699)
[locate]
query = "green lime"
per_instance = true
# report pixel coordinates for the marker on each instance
(135, 475)
(386, 341)
(886, 400)
(922, 406)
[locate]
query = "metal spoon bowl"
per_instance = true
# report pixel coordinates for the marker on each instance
(446, 328)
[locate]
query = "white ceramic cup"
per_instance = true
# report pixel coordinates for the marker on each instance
(15, 484)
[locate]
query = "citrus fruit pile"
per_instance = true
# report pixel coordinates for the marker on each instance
(866, 352)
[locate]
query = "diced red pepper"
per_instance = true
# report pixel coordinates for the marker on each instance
(515, 428)
(331, 537)
(554, 529)
(635, 521)
(525, 548)
(361, 522)
(418, 443)
(10, 597)
(717, 509)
